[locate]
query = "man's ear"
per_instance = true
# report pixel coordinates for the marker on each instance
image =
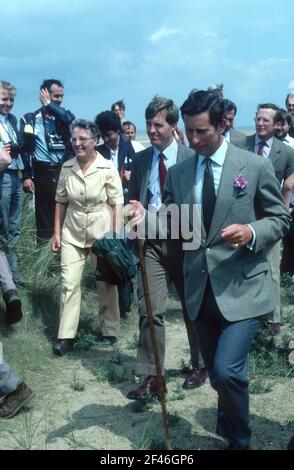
(222, 126)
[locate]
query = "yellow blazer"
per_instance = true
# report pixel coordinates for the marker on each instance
(89, 197)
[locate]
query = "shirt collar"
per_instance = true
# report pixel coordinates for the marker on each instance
(3, 118)
(114, 152)
(168, 152)
(268, 142)
(218, 156)
(227, 136)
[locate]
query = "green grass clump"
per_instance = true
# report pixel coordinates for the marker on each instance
(85, 341)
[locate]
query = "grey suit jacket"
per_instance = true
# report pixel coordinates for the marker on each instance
(238, 138)
(141, 171)
(240, 279)
(281, 156)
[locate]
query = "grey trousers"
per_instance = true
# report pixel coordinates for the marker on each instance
(8, 379)
(6, 282)
(11, 198)
(159, 278)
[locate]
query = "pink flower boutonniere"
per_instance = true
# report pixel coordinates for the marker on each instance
(240, 184)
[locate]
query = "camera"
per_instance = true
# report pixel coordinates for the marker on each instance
(15, 148)
(55, 142)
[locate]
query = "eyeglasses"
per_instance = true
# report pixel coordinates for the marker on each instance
(82, 140)
(264, 120)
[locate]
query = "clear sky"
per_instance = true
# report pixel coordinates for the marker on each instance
(105, 50)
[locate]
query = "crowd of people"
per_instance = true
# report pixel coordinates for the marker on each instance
(84, 189)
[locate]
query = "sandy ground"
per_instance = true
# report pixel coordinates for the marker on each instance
(101, 417)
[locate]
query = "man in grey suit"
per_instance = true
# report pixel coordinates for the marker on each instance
(230, 134)
(228, 284)
(162, 258)
(265, 144)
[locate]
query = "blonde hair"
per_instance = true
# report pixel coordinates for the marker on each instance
(8, 86)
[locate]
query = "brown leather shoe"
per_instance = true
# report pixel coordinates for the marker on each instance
(195, 378)
(14, 401)
(148, 389)
(13, 307)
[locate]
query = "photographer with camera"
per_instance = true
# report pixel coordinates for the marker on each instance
(47, 146)
(10, 180)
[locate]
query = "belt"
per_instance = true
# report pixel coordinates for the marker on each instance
(87, 209)
(47, 165)
(45, 168)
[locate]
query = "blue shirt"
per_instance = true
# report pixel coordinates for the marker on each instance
(267, 146)
(41, 151)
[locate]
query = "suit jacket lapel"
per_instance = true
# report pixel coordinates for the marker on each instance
(120, 155)
(274, 154)
(14, 127)
(250, 141)
(187, 184)
(225, 195)
(145, 168)
(104, 151)
(181, 153)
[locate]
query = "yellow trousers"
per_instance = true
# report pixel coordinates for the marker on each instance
(72, 264)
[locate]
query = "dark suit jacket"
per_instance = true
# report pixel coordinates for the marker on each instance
(281, 156)
(171, 249)
(240, 279)
(238, 138)
(125, 153)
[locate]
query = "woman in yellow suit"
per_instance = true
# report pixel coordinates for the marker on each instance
(89, 201)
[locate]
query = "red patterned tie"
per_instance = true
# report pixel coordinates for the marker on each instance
(162, 171)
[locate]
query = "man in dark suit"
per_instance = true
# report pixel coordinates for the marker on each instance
(162, 258)
(228, 284)
(117, 147)
(230, 134)
(11, 187)
(282, 157)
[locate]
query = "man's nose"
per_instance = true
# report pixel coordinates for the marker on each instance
(195, 139)
(152, 128)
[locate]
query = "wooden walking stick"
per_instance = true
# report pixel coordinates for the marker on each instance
(161, 380)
